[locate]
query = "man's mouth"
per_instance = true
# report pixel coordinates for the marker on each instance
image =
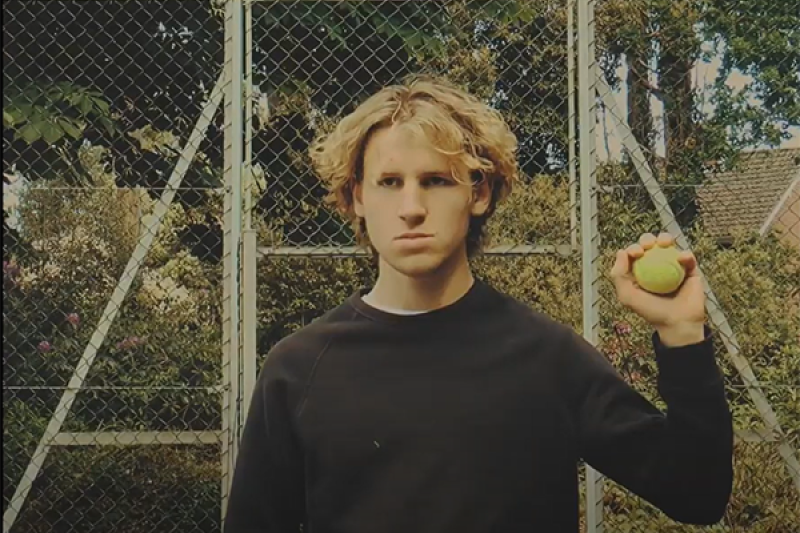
(415, 235)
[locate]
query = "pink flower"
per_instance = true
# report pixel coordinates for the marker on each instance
(622, 328)
(45, 346)
(123, 344)
(73, 319)
(130, 342)
(11, 269)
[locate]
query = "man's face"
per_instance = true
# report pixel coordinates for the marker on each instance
(417, 214)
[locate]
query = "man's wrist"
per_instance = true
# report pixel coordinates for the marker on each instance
(677, 335)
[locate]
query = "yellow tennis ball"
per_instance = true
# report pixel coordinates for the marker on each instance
(658, 270)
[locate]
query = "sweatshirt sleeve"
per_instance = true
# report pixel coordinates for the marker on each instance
(680, 460)
(267, 494)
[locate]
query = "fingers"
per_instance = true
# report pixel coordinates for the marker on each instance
(689, 262)
(648, 240)
(665, 240)
(621, 277)
(621, 266)
(626, 257)
(635, 251)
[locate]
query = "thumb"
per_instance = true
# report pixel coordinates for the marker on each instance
(622, 266)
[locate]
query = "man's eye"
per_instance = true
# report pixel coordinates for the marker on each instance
(439, 180)
(389, 182)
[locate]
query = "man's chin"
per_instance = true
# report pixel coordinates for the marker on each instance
(418, 265)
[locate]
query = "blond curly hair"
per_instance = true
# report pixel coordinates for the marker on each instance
(457, 123)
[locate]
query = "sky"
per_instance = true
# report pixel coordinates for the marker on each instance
(704, 74)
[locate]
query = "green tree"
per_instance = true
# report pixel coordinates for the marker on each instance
(762, 41)
(666, 38)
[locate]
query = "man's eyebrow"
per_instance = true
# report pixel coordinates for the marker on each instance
(433, 173)
(428, 174)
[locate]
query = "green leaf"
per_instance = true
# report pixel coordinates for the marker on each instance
(435, 45)
(527, 14)
(56, 94)
(102, 106)
(10, 119)
(85, 105)
(337, 35)
(74, 98)
(414, 40)
(108, 124)
(51, 133)
(493, 9)
(29, 133)
(71, 128)
(381, 24)
(33, 93)
(21, 112)
(39, 114)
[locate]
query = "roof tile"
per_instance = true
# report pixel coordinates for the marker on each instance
(743, 198)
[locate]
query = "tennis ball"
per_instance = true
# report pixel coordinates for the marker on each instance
(658, 270)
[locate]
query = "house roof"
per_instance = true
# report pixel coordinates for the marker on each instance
(745, 197)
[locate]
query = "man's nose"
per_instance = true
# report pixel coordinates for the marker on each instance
(412, 205)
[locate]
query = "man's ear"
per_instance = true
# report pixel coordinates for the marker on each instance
(358, 202)
(481, 198)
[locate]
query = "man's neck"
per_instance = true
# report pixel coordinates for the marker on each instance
(394, 290)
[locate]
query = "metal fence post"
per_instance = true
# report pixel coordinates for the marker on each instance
(571, 90)
(249, 243)
(233, 230)
(588, 217)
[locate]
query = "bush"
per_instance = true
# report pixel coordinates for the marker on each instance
(153, 371)
(168, 336)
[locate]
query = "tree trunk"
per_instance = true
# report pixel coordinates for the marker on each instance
(639, 57)
(640, 116)
(675, 81)
(679, 47)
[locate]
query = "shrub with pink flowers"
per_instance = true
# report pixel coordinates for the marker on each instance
(56, 294)
(152, 371)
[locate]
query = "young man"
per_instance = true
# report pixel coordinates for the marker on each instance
(433, 403)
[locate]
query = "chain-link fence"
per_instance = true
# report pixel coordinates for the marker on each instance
(112, 118)
(113, 200)
(698, 135)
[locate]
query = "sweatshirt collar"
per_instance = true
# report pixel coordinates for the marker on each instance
(473, 301)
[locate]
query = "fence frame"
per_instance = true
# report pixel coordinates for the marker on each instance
(241, 255)
(590, 232)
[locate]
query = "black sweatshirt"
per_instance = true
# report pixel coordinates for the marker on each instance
(469, 419)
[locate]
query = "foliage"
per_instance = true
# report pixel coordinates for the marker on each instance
(765, 44)
(51, 113)
(153, 371)
(66, 274)
(509, 52)
(662, 42)
(755, 281)
(111, 127)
